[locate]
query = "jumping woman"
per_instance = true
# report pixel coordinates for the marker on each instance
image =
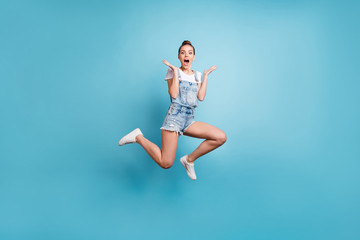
(186, 87)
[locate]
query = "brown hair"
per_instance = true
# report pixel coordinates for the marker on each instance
(186, 42)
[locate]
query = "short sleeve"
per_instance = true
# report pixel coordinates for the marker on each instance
(198, 76)
(169, 74)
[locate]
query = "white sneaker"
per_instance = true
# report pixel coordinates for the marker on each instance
(189, 167)
(130, 138)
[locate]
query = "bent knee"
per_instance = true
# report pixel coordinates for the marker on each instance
(167, 164)
(221, 138)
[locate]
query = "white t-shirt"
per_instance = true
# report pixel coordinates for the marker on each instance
(184, 76)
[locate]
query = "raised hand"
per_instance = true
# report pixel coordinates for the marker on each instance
(212, 68)
(168, 64)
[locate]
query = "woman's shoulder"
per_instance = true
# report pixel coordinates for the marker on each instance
(197, 75)
(169, 74)
(196, 72)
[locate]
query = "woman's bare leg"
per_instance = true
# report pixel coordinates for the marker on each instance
(213, 135)
(165, 156)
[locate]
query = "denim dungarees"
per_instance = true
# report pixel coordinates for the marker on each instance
(181, 111)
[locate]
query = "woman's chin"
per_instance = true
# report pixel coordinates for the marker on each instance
(186, 66)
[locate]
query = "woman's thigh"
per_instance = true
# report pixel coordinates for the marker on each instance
(204, 131)
(168, 146)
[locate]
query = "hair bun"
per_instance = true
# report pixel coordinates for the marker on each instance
(186, 42)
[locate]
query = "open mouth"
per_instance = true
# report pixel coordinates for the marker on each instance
(187, 60)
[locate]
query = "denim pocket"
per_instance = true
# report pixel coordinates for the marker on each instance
(173, 110)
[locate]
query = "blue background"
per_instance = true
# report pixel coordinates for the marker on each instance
(78, 75)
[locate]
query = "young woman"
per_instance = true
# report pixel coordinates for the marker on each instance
(186, 87)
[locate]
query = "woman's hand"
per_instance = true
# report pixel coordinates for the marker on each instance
(207, 72)
(168, 64)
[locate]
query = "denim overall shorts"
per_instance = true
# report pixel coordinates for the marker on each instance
(181, 111)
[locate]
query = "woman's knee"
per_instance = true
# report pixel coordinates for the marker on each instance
(166, 164)
(221, 137)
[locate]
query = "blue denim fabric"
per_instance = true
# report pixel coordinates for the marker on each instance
(187, 93)
(178, 118)
(181, 111)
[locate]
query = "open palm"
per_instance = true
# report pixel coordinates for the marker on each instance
(168, 64)
(212, 68)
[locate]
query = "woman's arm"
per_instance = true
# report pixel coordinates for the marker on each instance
(202, 90)
(173, 83)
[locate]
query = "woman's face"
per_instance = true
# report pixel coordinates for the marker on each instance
(186, 56)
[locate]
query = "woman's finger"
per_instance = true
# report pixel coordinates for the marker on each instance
(166, 62)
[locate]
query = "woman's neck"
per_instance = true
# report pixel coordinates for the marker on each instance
(186, 70)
